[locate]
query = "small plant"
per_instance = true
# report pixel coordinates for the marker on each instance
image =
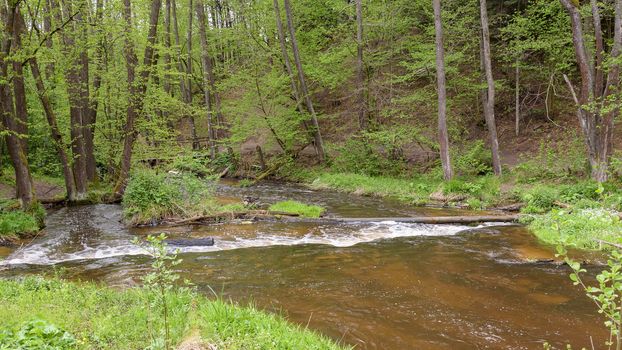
(37, 334)
(294, 207)
(606, 294)
(17, 223)
(161, 281)
(245, 183)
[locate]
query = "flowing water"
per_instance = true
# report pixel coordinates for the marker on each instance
(375, 285)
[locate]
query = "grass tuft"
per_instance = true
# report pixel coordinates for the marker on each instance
(294, 207)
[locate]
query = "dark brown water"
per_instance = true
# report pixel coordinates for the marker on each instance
(378, 285)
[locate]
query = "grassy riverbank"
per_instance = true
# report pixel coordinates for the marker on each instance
(579, 214)
(36, 311)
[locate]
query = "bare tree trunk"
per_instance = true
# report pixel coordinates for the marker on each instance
(442, 94)
(489, 102)
(193, 130)
(360, 73)
(207, 67)
(19, 88)
(319, 144)
(517, 98)
(137, 89)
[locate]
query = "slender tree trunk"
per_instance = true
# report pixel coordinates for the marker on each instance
(19, 88)
(360, 73)
(319, 143)
(137, 88)
(517, 97)
(489, 102)
(193, 130)
(443, 135)
(207, 67)
(57, 138)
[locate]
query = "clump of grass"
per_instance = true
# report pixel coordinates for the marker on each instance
(294, 207)
(578, 228)
(17, 223)
(102, 318)
(152, 197)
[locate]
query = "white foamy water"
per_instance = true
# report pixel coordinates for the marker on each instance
(96, 232)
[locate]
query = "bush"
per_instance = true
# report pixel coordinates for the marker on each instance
(539, 199)
(18, 223)
(294, 207)
(477, 160)
(151, 196)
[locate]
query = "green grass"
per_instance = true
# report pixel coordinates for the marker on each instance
(294, 207)
(577, 228)
(14, 224)
(102, 318)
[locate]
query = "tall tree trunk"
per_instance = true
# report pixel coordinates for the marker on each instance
(137, 89)
(288, 64)
(19, 87)
(489, 102)
(8, 124)
(360, 73)
(517, 98)
(193, 130)
(57, 137)
(207, 67)
(77, 112)
(319, 143)
(443, 136)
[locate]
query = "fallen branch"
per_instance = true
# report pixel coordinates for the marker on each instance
(437, 219)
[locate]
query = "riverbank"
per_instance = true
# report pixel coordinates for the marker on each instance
(88, 316)
(582, 215)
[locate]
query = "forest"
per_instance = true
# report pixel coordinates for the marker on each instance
(296, 117)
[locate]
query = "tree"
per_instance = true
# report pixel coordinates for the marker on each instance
(598, 101)
(137, 87)
(208, 74)
(319, 143)
(360, 73)
(489, 100)
(443, 136)
(8, 122)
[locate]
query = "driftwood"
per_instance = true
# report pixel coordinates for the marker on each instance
(224, 172)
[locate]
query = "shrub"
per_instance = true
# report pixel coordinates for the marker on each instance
(477, 160)
(152, 196)
(294, 207)
(539, 199)
(18, 223)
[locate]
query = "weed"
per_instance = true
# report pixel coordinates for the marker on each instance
(294, 207)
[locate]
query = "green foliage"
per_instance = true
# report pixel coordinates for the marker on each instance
(294, 207)
(151, 196)
(579, 228)
(472, 160)
(37, 335)
(539, 199)
(554, 161)
(160, 282)
(606, 294)
(17, 223)
(105, 318)
(245, 183)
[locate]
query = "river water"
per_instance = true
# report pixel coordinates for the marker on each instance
(375, 285)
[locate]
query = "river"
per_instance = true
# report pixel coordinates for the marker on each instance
(376, 285)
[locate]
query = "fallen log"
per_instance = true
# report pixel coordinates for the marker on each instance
(468, 219)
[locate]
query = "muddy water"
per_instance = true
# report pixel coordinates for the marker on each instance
(379, 285)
